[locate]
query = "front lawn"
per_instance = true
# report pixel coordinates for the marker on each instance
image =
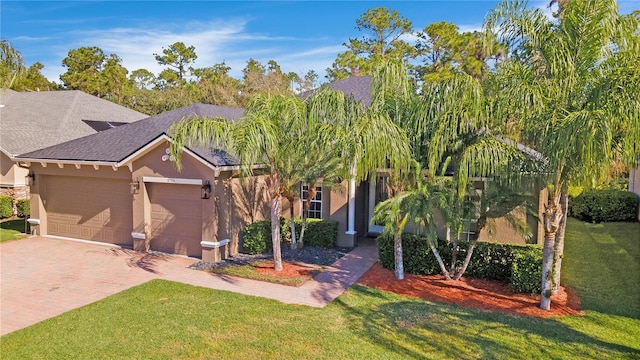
(162, 319)
(602, 263)
(12, 229)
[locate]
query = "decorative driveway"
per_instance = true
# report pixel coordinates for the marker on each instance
(43, 277)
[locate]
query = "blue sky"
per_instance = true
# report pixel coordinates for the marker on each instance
(299, 35)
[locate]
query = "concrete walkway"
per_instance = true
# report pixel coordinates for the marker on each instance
(43, 277)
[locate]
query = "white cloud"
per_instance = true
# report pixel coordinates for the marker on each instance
(214, 42)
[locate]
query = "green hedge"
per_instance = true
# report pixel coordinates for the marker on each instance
(489, 261)
(605, 206)
(319, 233)
(526, 270)
(24, 208)
(6, 207)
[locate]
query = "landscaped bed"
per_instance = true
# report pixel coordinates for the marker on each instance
(475, 293)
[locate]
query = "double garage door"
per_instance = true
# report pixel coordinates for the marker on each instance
(102, 210)
(89, 208)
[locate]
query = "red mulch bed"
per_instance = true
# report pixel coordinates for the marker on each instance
(289, 270)
(475, 293)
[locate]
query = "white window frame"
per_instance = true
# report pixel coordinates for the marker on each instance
(303, 197)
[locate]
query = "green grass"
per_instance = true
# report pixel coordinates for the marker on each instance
(602, 263)
(162, 319)
(12, 229)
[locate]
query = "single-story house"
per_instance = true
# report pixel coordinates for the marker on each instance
(120, 186)
(34, 120)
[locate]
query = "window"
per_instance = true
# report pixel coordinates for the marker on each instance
(315, 208)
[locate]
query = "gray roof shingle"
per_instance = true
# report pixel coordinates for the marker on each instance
(116, 144)
(358, 86)
(34, 120)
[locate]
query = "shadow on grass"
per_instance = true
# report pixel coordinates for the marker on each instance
(420, 329)
(602, 264)
(20, 225)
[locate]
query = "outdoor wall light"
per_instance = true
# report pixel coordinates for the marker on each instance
(30, 179)
(135, 186)
(206, 190)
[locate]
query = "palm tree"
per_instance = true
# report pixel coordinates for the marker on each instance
(263, 137)
(571, 87)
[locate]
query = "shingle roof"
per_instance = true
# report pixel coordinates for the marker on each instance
(34, 120)
(358, 86)
(119, 143)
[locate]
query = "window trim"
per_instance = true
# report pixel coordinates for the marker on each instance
(319, 191)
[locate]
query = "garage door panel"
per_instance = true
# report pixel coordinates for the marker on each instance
(89, 208)
(176, 219)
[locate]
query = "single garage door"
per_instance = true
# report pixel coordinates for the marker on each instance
(176, 218)
(89, 208)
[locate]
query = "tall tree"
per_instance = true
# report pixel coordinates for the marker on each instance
(89, 69)
(33, 80)
(11, 64)
(177, 56)
(572, 89)
(383, 29)
(265, 79)
(447, 51)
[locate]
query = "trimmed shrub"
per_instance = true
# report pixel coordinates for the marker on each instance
(526, 269)
(320, 233)
(489, 261)
(24, 208)
(6, 207)
(257, 237)
(605, 206)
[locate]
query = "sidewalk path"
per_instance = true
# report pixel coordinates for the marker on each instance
(43, 277)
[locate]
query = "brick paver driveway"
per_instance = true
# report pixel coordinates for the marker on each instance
(43, 277)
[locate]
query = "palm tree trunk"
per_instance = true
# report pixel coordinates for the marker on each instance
(294, 245)
(304, 226)
(311, 193)
(454, 254)
(275, 231)
(559, 245)
(467, 259)
(551, 219)
(397, 252)
(482, 221)
(443, 268)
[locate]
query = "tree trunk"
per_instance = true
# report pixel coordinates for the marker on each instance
(551, 220)
(467, 259)
(454, 254)
(443, 268)
(305, 211)
(294, 245)
(275, 231)
(559, 245)
(397, 252)
(482, 221)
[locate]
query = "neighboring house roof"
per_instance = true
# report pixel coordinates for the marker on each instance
(358, 86)
(119, 143)
(34, 120)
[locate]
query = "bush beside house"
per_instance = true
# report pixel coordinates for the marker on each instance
(520, 265)
(6, 207)
(604, 206)
(23, 208)
(320, 233)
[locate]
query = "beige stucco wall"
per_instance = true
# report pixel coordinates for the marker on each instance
(10, 173)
